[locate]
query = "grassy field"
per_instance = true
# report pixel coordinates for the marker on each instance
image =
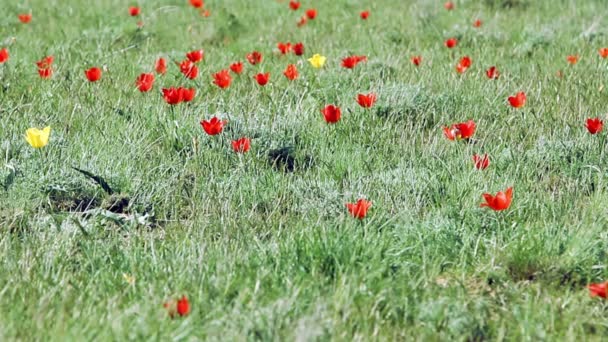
(261, 242)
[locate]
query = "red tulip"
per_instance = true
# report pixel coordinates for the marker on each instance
(291, 72)
(236, 68)
(572, 59)
(518, 101)
(254, 58)
(294, 5)
(145, 82)
(477, 23)
(463, 130)
(241, 145)
(197, 3)
(183, 306)
(187, 94)
(417, 60)
(302, 21)
(501, 201)
(359, 210)
(223, 79)
(464, 64)
(449, 5)
(25, 18)
(45, 73)
(160, 66)
(134, 11)
(331, 114)
(594, 126)
(213, 126)
(262, 79)
(604, 52)
(93, 74)
(285, 48)
(364, 15)
(45, 63)
(481, 163)
(598, 290)
(195, 56)
(173, 96)
(352, 61)
(311, 13)
(451, 43)
(4, 55)
(188, 69)
(180, 307)
(492, 73)
(366, 101)
(298, 49)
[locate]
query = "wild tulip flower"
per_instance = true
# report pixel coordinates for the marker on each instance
(187, 94)
(183, 306)
(518, 101)
(302, 21)
(45, 63)
(416, 60)
(298, 49)
(477, 23)
(291, 72)
(237, 67)
(189, 69)
(598, 290)
(180, 307)
(38, 138)
(603, 52)
(463, 130)
(359, 209)
(173, 96)
(594, 126)
(25, 18)
(254, 58)
(294, 5)
(572, 59)
(501, 201)
(352, 61)
(331, 114)
(451, 43)
(223, 79)
(213, 126)
(262, 79)
(160, 66)
(93, 74)
(241, 145)
(197, 3)
(492, 73)
(134, 11)
(195, 56)
(366, 101)
(317, 61)
(145, 82)
(449, 5)
(45, 73)
(311, 13)
(4, 55)
(284, 48)
(464, 64)
(481, 162)
(364, 15)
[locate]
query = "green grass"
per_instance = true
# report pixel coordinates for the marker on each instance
(265, 254)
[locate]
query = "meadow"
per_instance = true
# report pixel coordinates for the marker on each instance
(132, 205)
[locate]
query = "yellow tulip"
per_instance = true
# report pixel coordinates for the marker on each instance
(38, 138)
(317, 60)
